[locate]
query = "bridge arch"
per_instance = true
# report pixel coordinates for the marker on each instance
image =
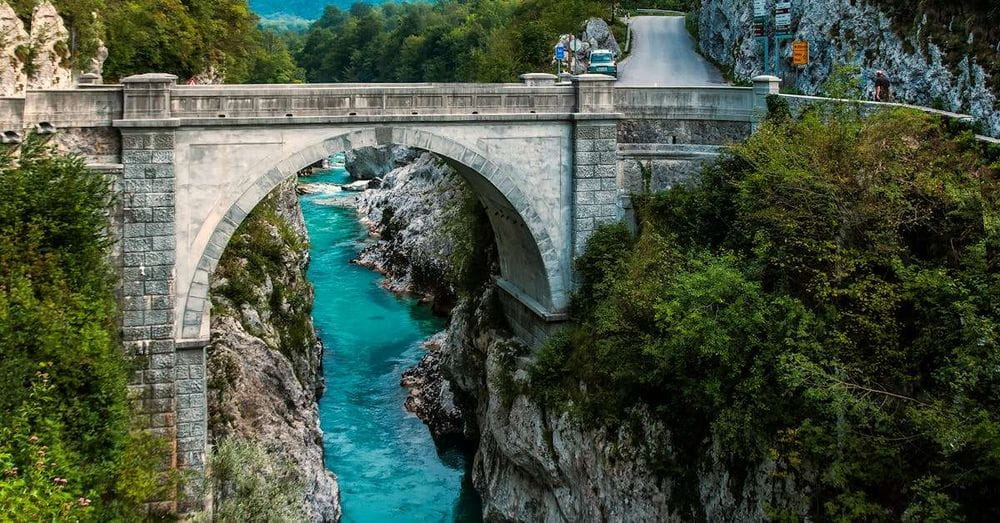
(529, 260)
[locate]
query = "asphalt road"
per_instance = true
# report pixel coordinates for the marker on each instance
(663, 54)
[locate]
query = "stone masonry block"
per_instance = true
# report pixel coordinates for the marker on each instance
(608, 158)
(584, 224)
(162, 258)
(587, 158)
(584, 146)
(163, 142)
(161, 347)
(161, 302)
(133, 259)
(585, 198)
(157, 287)
(190, 387)
(163, 214)
(191, 357)
(133, 318)
(136, 157)
(161, 361)
(162, 157)
(586, 132)
(161, 243)
(609, 184)
(159, 199)
(606, 197)
(587, 211)
(609, 132)
(160, 317)
(583, 171)
(161, 332)
(133, 141)
(590, 184)
(605, 171)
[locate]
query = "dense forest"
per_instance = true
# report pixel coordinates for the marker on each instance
(452, 40)
(826, 297)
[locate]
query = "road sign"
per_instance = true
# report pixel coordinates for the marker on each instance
(574, 44)
(800, 52)
(759, 9)
(560, 53)
(783, 17)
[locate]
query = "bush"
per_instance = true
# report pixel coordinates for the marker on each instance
(65, 436)
(824, 297)
(251, 484)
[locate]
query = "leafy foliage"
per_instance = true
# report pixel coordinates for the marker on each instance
(825, 297)
(448, 41)
(66, 442)
(251, 484)
(183, 37)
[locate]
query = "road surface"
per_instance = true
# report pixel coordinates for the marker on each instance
(663, 54)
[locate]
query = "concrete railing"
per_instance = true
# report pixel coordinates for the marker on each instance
(686, 103)
(11, 114)
(368, 100)
(92, 107)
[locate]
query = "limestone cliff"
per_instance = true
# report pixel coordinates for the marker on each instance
(408, 217)
(265, 361)
(536, 464)
(860, 32)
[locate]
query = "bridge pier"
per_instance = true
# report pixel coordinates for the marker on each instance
(596, 198)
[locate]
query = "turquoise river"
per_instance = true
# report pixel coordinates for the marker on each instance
(385, 460)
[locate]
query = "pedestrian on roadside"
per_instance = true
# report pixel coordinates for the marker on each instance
(882, 85)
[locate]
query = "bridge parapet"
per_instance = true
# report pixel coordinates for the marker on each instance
(687, 103)
(370, 100)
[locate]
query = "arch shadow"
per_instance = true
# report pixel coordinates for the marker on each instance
(529, 259)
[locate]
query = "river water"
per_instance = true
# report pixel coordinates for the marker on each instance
(385, 460)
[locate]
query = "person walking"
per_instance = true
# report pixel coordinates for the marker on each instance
(882, 86)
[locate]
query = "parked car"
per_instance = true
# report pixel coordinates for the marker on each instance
(602, 61)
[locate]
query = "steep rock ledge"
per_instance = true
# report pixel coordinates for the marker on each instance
(533, 464)
(265, 361)
(408, 217)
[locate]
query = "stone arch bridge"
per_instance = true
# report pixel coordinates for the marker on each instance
(550, 161)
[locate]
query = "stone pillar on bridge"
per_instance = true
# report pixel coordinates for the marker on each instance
(170, 385)
(596, 199)
(763, 86)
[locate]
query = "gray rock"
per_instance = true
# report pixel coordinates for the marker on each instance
(850, 32)
(264, 383)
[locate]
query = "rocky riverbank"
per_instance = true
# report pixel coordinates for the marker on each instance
(265, 361)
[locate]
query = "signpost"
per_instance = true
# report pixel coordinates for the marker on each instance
(800, 53)
(759, 19)
(782, 28)
(560, 57)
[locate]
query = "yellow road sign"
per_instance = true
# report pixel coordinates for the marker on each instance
(800, 52)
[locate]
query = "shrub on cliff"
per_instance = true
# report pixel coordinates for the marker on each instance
(828, 297)
(67, 450)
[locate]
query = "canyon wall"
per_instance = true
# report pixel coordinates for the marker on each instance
(265, 371)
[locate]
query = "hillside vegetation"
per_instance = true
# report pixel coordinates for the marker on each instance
(826, 297)
(182, 37)
(70, 447)
(449, 41)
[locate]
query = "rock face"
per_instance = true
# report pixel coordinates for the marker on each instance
(533, 464)
(854, 32)
(13, 44)
(50, 44)
(265, 361)
(596, 34)
(408, 216)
